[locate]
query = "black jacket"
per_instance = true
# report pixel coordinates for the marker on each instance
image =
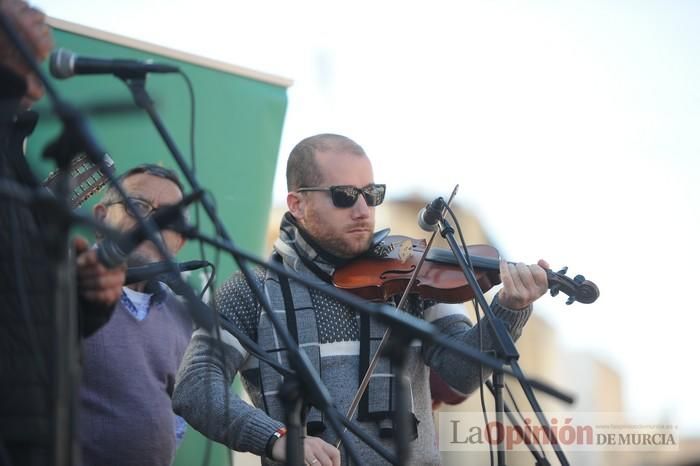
(27, 287)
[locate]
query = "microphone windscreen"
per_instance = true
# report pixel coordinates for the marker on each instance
(61, 63)
(425, 226)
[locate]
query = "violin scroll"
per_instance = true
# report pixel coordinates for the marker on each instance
(578, 289)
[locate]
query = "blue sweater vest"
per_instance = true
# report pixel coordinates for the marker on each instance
(126, 415)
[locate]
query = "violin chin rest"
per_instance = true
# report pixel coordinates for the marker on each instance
(380, 236)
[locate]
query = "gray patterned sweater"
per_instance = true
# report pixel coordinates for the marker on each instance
(329, 332)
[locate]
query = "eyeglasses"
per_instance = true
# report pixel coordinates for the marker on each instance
(345, 196)
(143, 208)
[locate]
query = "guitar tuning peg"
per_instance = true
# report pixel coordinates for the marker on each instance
(563, 270)
(571, 300)
(578, 279)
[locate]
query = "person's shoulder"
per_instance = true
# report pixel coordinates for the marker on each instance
(236, 301)
(238, 279)
(236, 292)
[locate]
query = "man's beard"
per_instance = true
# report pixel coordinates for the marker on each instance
(342, 248)
(334, 242)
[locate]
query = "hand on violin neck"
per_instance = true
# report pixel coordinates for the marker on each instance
(522, 284)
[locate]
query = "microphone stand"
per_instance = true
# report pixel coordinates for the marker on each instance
(505, 348)
(395, 350)
(77, 131)
(66, 371)
(307, 385)
(540, 459)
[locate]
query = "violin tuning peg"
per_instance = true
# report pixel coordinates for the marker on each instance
(571, 300)
(563, 270)
(578, 279)
(554, 290)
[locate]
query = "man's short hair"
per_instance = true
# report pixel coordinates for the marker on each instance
(112, 196)
(302, 170)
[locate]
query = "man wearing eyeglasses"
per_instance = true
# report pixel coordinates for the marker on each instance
(126, 415)
(331, 201)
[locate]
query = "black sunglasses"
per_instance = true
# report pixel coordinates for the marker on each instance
(346, 196)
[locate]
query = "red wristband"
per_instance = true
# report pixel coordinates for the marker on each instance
(276, 435)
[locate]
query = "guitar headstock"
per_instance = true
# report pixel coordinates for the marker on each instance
(578, 289)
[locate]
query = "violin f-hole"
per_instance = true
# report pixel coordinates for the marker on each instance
(386, 275)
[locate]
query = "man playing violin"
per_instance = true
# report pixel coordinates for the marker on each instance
(331, 201)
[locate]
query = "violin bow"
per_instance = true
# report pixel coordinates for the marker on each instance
(385, 338)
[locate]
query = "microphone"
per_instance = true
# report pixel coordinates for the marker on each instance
(64, 64)
(430, 215)
(146, 272)
(111, 253)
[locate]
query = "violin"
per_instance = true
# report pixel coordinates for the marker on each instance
(386, 270)
(399, 265)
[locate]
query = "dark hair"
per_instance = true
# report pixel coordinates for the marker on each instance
(302, 170)
(112, 196)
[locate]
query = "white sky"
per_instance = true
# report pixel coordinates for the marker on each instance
(571, 128)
